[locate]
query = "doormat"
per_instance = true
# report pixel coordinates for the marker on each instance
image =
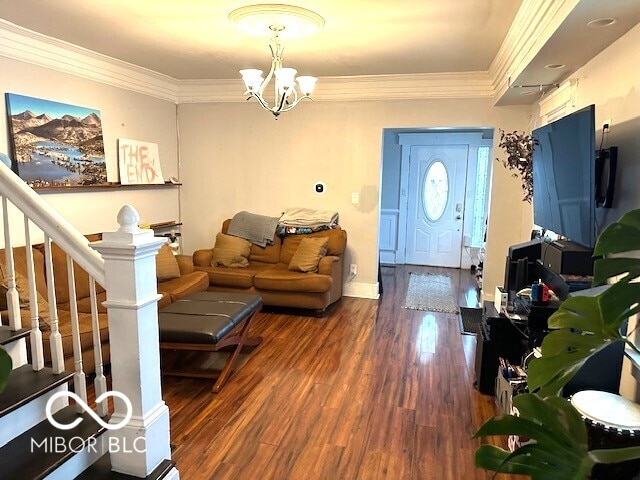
(431, 292)
(469, 319)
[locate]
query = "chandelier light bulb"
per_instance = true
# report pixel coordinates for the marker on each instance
(285, 77)
(307, 84)
(252, 78)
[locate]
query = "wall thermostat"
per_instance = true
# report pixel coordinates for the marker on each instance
(319, 187)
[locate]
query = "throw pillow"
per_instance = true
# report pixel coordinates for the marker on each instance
(22, 286)
(166, 264)
(231, 252)
(308, 255)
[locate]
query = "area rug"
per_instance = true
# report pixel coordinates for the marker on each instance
(431, 292)
(469, 320)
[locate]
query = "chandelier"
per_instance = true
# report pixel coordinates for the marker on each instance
(279, 21)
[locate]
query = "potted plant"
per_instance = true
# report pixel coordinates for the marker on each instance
(582, 327)
(519, 149)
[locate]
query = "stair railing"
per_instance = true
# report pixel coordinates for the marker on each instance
(125, 266)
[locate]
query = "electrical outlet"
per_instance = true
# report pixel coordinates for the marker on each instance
(353, 269)
(606, 125)
(355, 198)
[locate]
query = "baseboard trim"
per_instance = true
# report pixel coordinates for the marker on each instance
(361, 290)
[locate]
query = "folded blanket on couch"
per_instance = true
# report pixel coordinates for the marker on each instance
(258, 229)
(307, 217)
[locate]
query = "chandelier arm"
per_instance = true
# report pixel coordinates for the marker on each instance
(296, 103)
(259, 99)
(267, 79)
(295, 96)
(280, 105)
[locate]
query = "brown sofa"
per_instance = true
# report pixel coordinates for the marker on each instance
(190, 281)
(268, 274)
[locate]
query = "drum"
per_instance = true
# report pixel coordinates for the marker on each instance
(612, 422)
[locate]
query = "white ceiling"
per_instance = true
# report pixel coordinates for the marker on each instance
(193, 39)
(479, 46)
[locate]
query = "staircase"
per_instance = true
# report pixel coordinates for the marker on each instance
(42, 433)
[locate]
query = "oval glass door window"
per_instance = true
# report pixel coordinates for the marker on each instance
(435, 191)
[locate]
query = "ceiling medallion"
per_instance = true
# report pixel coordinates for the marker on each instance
(257, 19)
(278, 21)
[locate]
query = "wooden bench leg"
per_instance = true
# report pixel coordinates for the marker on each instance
(228, 366)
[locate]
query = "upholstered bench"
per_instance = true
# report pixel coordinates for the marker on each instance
(209, 322)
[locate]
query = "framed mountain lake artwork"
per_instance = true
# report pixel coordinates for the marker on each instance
(55, 144)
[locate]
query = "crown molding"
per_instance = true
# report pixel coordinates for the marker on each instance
(356, 88)
(34, 48)
(533, 25)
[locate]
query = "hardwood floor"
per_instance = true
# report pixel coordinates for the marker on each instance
(372, 391)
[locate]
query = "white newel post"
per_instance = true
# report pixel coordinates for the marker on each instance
(130, 271)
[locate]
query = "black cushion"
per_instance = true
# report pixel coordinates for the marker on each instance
(251, 301)
(205, 317)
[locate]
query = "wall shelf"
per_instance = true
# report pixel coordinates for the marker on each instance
(106, 186)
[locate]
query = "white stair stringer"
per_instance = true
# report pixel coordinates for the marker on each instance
(29, 415)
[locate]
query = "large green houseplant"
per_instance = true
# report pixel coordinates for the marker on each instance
(582, 326)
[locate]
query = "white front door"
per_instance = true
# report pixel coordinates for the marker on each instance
(437, 180)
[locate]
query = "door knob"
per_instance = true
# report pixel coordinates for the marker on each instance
(458, 217)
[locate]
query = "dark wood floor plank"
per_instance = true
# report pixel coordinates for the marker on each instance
(371, 391)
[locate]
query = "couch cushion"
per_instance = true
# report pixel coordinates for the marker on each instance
(230, 251)
(164, 300)
(167, 266)
(84, 304)
(80, 276)
(20, 264)
(86, 333)
(337, 243)
(282, 279)
(235, 277)
(184, 285)
(309, 253)
(22, 286)
(268, 254)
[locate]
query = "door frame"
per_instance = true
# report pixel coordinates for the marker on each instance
(407, 140)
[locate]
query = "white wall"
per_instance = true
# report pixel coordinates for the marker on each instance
(124, 114)
(235, 156)
(611, 81)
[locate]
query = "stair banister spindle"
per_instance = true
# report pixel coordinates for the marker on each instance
(35, 336)
(13, 300)
(100, 382)
(79, 379)
(57, 356)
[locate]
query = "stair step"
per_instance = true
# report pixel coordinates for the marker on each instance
(7, 335)
(26, 385)
(27, 458)
(101, 470)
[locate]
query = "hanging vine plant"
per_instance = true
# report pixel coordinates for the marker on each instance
(519, 149)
